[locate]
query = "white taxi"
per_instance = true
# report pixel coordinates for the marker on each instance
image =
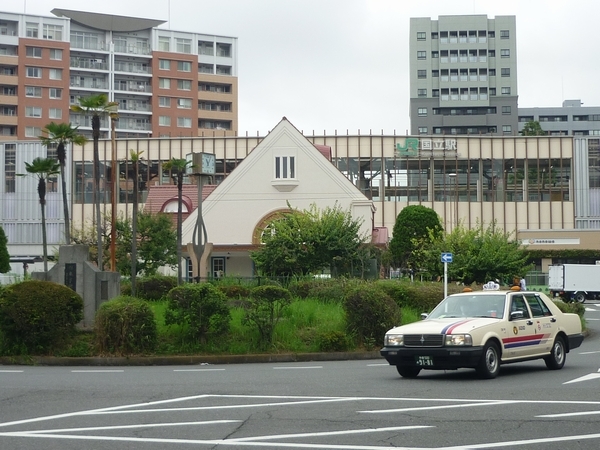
(482, 330)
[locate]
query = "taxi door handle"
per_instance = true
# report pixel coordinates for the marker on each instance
(530, 322)
(553, 320)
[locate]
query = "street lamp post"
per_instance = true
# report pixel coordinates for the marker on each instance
(115, 175)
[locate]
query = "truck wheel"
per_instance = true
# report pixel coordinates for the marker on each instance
(580, 297)
(489, 365)
(408, 372)
(558, 355)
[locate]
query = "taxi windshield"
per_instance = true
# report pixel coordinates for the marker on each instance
(470, 306)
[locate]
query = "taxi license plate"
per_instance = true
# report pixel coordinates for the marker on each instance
(424, 360)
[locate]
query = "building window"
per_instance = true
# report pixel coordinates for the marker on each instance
(164, 83)
(421, 35)
(422, 112)
(492, 53)
(435, 93)
(184, 66)
(285, 167)
(223, 70)
(505, 72)
(55, 93)
(421, 54)
(31, 30)
(56, 54)
(52, 32)
(184, 122)
(33, 91)
(506, 129)
(183, 45)
(164, 43)
(422, 92)
(55, 74)
(506, 110)
(435, 54)
(185, 103)
(421, 74)
(435, 73)
(55, 113)
(184, 85)
(33, 132)
(422, 130)
(434, 35)
(492, 92)
(33, 52)
(505, 91)
(164, 102)
(505, 53)
(164, 64)
(218, 267)
(491, 34)
(492, 72)
(164, 121)
(205, 48)
(504, 34)
(33, 111)
(33, 72)
(10, 164)
(223, 50)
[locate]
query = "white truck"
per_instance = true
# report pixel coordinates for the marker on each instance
(575, 282)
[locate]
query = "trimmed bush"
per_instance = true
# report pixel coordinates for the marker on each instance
(572, 307)
(420, 296)
(155, 287)
(38, 316)
(333, 341)
(200, 308)
(265, 308)
(234, 291)
(125, 325)
(370, 312)
(331, 290)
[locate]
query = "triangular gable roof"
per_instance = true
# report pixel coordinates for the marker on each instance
(250, 192)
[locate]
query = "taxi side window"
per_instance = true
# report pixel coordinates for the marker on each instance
(518, 304)
(537, 306)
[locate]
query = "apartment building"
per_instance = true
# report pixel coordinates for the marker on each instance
(463, 75)
(166, 82)
(570, 119)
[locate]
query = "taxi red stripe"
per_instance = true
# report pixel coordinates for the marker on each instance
(451, 328)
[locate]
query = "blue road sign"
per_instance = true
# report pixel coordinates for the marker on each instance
(446, 257)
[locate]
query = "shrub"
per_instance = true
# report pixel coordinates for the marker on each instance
(333, 341)
(234, 291)
(125, 325)
(37, 316)
(420, 296)
(331, 290)
(370, 312)
(573, 307)
(155, 287)
(201, 308)
(265, 308)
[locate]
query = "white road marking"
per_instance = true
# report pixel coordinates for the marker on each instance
(11, 371)
(196, 370)
(303, 367)
(381, 364)
(331, 433)
(124, 427)
(426, 408)
(591, 376)
(573, 414)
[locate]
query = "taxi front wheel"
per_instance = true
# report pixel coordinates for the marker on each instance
(489, 365)
(558, 355)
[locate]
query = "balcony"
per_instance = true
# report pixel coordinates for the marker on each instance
(88, 84)
(132, 86)
(92, 64)
(128, 67)
(132, 49)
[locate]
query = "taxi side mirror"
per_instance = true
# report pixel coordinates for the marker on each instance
(516, 315)
(424, 316)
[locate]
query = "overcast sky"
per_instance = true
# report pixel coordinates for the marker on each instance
(343, 64)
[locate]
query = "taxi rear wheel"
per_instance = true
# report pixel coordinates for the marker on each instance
(408, 372)
(489, 365)
(558, 355)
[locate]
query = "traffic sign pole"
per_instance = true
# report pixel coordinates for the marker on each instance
(445, 279)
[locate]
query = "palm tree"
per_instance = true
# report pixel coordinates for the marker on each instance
(135, 160)
(62, 134)
(178, 169)
(43, 168)
(96, 106)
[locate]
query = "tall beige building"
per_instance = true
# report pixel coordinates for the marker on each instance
(166, 82)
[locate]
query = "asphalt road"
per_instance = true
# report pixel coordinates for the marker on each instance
(320, 405)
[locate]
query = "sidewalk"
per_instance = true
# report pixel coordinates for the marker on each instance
(186, 360)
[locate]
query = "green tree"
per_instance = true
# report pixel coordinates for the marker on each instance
(61, 135)
(532, 128)
(4, 256)
(412, 232)
(96, 106)
(479, 255)
(42, 169)
(156, 243)
(264, 310)
(305, 242)
(135, 160)
(178, 169)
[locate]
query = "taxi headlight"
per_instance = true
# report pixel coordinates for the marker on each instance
(458, 339)
(394, 339)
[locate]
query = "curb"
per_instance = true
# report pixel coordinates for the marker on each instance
(185, 360)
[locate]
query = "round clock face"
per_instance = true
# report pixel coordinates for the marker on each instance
(208, 163)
